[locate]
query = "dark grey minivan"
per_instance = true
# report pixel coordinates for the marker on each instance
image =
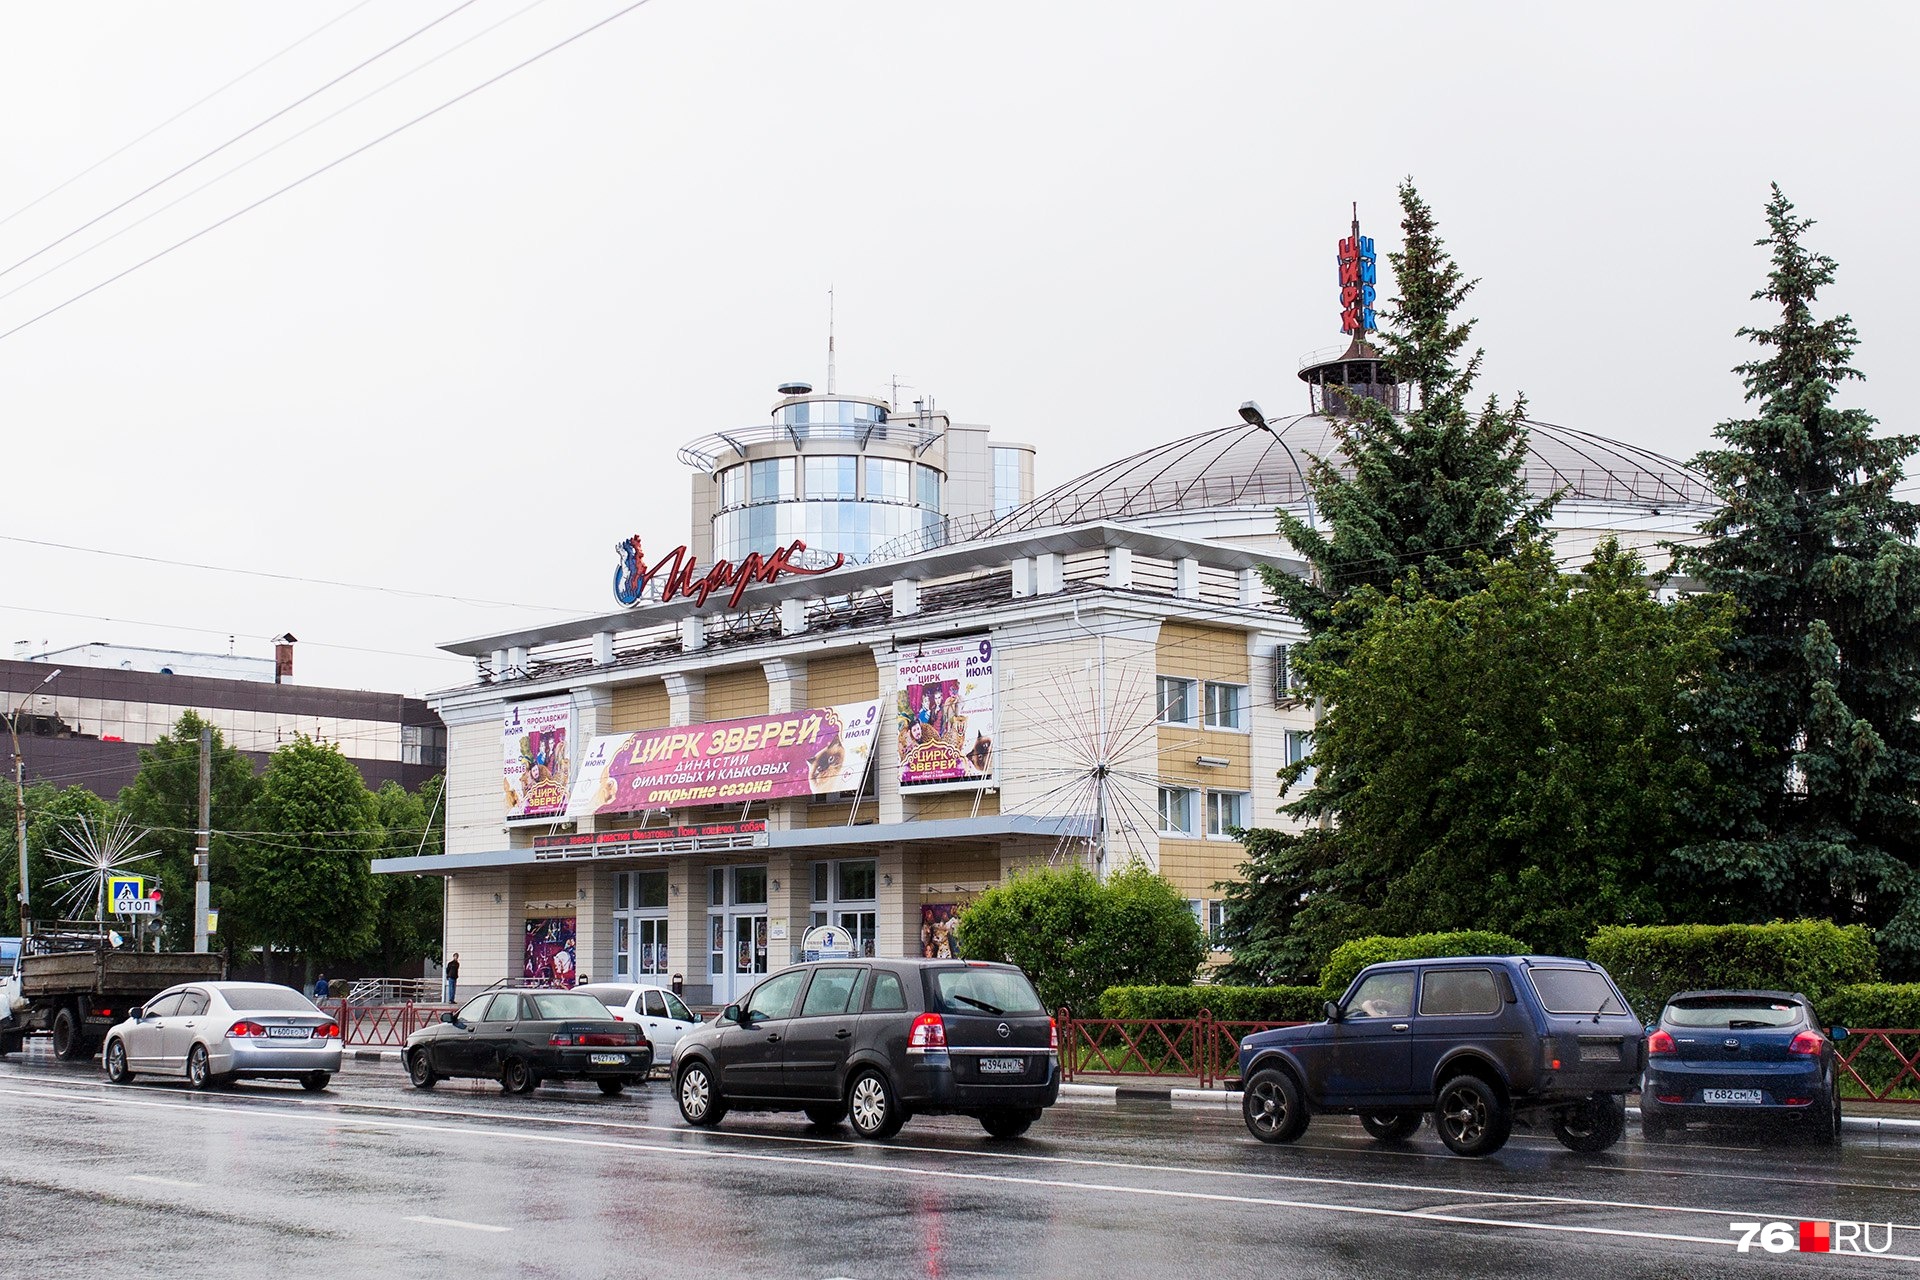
(877, 1042)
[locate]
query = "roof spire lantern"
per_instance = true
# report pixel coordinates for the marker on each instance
(1337, 377)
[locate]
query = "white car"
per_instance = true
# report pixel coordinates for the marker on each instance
(663, 1015)
(214, 1032)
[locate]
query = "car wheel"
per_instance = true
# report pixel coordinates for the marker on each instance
(1653, 1125)
(1592, 1125)
(1824, 1126)
(1471, 1117)
(1272, 1106)
(700, 1102)
(420, 1070)
(876, 1113)
(69, 1039)
(826, 1117)
(199, 1068)
(1008, 1124)
(1392, 1126)
(517, 1077)
(117, 1072)
(612, 1088)
(315, 1081)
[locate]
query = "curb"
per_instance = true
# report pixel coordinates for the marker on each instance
(1121, 1095)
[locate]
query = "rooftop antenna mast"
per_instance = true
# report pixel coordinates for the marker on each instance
(829, 339)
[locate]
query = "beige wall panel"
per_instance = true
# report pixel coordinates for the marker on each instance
(486, 934)
(736, 693)
(835, 815)
(950, 804)
(640, 706)
(476, 805)
(847, 677)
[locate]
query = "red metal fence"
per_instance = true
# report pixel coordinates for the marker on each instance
(1874, 1064)
(384, 1024)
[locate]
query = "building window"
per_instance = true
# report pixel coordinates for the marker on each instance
(640, 925)
(733, 487)
(717, 887)
(927, 487)
(1226, 812)
(854, 885)
(1176, 811)
(1299, 747)
(1176, 700)
(749, 886)
(831, 477)
(1216, 917)
(887, 480)
(1006, 481)
(1226, 706)
(772, 480)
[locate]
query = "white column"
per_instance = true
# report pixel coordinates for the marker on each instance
(906, 597)
(1049, 573)
(603, 648)
(1186, 578)
(1022, 577)
(693, 634)
(1253, 591)
(793, 616)
(1119, 567)
(686, 697)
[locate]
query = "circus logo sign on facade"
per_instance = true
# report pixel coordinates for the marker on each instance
(679, 574)
(1358, 273)
(820, 751)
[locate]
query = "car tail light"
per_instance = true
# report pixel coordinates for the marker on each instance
(560, 1038)
(1660, 1044)
(1670, 1097)
(1807, 1043)
(327, 1031)
(606, 1037)
(103, 1013)
(1053, 1035)
(246, 1028)
(1798, 1102)
(929, 1032)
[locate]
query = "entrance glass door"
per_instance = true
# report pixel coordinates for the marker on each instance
(749, 950)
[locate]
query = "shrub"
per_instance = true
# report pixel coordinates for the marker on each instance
(1873, 1004)
(1813, 957)
(1349, 958)
(1076, 935)
(1230, 1004)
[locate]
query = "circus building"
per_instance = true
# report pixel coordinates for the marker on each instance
(882, 675)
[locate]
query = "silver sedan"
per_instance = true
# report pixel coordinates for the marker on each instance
(214, 1032)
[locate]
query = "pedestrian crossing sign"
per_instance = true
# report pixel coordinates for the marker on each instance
(126, 893)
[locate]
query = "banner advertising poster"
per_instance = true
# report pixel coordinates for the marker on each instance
(537, 738)
(550, 951)
(940, 931)
(817, 752)
(944, 715)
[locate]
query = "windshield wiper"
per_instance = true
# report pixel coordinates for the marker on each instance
(1746, 1024)
(978, 1004)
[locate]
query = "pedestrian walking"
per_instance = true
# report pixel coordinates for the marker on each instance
(320, 987)
(453, 976)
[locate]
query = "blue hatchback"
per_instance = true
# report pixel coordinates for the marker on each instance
(1720, 1057)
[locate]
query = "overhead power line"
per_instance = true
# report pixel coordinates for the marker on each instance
(251, 129)
(230, 631)
(330, 165)
(287, 577)
(186, 110)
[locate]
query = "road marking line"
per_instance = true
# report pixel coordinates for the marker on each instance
(895, 1171)
(159, 1182)
(1752, 1177)
(455, 1222)
(701, 1140)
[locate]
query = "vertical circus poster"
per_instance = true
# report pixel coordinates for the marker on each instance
(537, 749)
(550, 954)
(944, 714)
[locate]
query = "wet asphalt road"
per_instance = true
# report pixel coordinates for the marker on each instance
(374, 1177)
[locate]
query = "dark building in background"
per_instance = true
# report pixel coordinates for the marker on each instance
(87, 727)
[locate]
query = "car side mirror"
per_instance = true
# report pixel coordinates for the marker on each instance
(452, 1019)
(1651, 1028)
(1838, 1033)
(732, 1013)
(138, 1013)
(1333, 1011)
(699, 1017)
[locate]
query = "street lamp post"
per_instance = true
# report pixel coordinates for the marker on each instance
(20, 801)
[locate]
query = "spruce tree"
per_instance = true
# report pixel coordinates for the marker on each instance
(1812, 735)
(1427, 491)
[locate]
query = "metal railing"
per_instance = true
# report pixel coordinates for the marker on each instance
(383, 1024)
(1874, 1064)
(393, 990)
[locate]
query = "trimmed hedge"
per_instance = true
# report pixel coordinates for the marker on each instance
(1231, 1004)
(1873, 1004)
(1349, 958)
(1813, 957)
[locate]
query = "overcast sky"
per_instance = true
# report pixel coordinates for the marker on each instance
(461, 362)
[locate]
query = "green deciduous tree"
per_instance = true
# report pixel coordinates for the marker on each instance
(1510, 759)
(1813, 736)
(310, 887)
(1076, 935)
(407, 919)
(51, 811)
(164, 798)
(1425, 491)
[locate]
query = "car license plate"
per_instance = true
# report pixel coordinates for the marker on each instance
(1002, 1066)
(1607, 1052)
(608, 1059)
(288, 1033)
(1729, 1095)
